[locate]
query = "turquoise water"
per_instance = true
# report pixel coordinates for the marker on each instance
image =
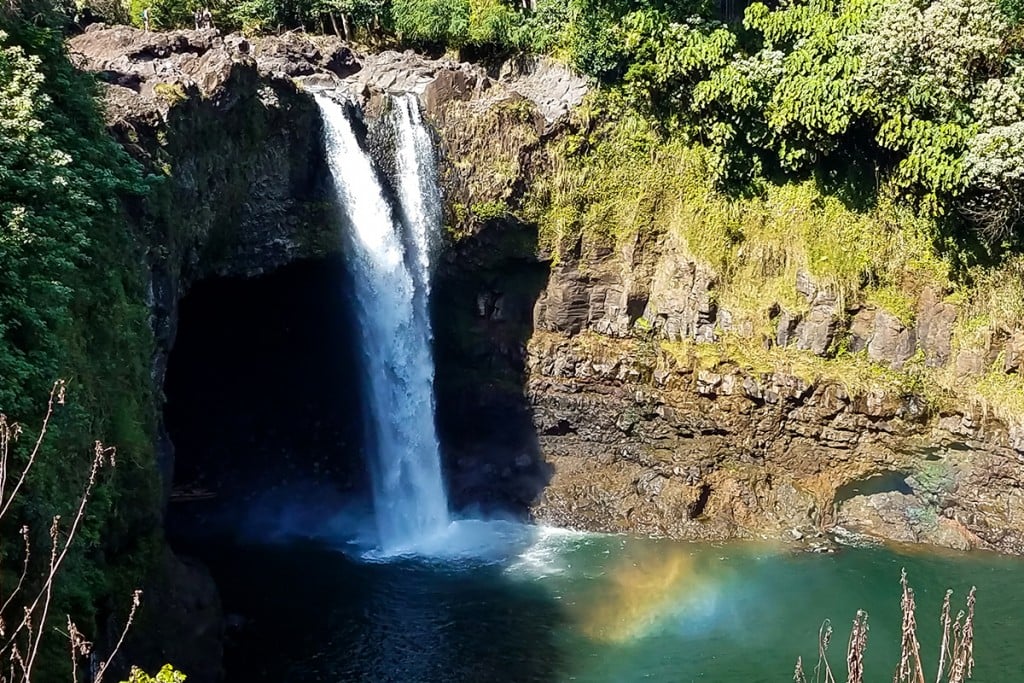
(550, 605)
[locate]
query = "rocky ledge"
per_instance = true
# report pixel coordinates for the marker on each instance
(642, 420)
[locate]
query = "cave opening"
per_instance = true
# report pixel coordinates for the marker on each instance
(264, 405)
(262, 392)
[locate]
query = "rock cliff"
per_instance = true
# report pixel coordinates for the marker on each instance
(580, 390)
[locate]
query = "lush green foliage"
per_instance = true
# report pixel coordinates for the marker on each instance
(856, 93)
(926, 96)
(433, 21)
(495, 25)
(167, 674)
(72, 305)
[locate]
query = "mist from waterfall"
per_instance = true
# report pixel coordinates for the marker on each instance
(388, 255)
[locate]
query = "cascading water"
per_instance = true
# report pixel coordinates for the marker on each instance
(390, 264)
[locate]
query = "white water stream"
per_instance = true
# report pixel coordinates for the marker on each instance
(389, 260)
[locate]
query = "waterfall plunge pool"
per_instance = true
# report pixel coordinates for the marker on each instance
(541, 604)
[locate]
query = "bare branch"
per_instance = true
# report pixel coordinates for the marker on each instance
(56, 397)
(136, 599)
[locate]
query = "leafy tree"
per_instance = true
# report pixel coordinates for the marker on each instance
(544, 29)
(432, 22)
(370, 16)
(913, 93)
(491, 22)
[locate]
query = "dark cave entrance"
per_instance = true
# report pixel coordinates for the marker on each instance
(262, 390)
(263, 395)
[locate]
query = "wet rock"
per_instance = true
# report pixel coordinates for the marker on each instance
(884, 515)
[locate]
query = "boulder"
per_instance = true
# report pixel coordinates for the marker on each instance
(861, 327)
(817, 330)
(1013, 353)
(891, 342)
(935, 320)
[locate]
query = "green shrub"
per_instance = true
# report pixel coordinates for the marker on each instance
(167, 674)
(432, 22)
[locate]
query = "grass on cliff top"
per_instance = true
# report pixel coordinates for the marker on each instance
(994, 393)
(852, 371)
(997, 394)
(621, 181)
(993, 302)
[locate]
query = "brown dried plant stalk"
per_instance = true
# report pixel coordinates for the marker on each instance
(856, 647)
(824, 639)
(961, 667)
(798, 672)
(956, 653)
(909, 669)
(21, 635)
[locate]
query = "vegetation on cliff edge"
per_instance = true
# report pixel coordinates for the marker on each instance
(72, 304)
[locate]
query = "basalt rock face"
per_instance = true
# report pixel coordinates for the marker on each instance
(633, 431)
(641, 436)
(641, 440)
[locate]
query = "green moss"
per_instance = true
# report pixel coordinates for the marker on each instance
(173, 93)
(898, 302)
(486, 211)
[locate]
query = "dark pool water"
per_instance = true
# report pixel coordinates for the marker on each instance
(550, 605)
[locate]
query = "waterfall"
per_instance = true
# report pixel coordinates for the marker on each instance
(389, 260)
